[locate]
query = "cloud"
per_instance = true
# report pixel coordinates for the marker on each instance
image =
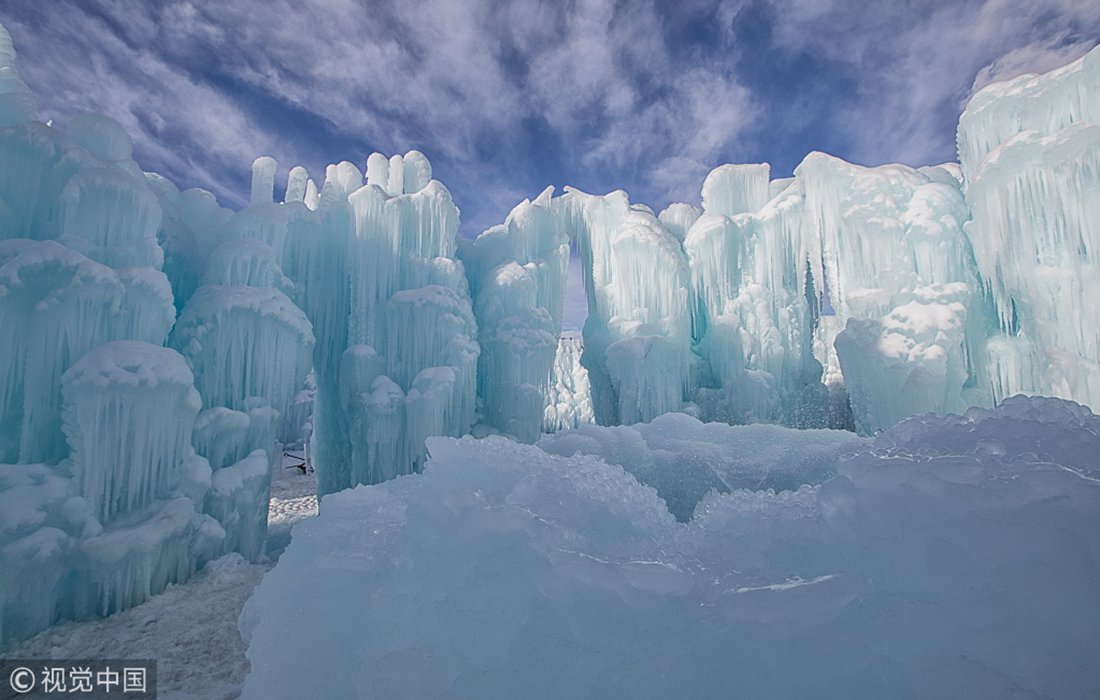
(1039, 57)
(914, 65)
(507, 97)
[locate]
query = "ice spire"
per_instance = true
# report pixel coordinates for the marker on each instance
(17, 105)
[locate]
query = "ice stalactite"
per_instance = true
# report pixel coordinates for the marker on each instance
(17, 104)
(639, 295)
(1030, 153)
(569, 397)
(373, 265)
(250, 348)
(130, 408)
(244, 343)
(119, 520)
(517, 274)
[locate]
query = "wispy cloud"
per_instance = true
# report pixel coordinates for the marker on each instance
(915, 64)
(507, 97)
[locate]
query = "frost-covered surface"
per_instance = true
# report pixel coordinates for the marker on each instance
(951, 557)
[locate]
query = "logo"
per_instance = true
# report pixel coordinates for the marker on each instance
(22, 679)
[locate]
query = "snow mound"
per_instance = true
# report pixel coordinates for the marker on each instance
(933, 564)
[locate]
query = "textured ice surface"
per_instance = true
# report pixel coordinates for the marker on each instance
(569, 398)
(949, 556)
(103, 498)
(685, 459)
(120, 519)
(1030, 151)
(518, 275)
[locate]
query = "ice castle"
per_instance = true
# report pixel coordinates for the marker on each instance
(155, 342)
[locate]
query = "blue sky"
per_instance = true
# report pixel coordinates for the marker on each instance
(506, 98)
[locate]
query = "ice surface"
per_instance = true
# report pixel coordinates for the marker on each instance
(120, 519)
(518, 274)
(104, 505)
(16, 102)
(569, 398)
(946, 557)
(1029, 150)
(685, 459)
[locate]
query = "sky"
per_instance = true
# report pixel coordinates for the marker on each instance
(506, 98)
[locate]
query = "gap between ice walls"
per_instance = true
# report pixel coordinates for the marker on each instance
(164, 342)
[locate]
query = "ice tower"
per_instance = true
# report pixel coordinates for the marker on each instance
(1030, 155)
(372, 264)
(106, 490)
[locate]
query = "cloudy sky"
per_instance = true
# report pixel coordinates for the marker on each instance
(508, 97)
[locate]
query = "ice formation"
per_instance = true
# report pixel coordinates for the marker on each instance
(842, 297)
(569, 398)
(948, 556)
(517, 276)
(107, 493)
(120, 518)
(167, 346)
(1030, 150)
(374, 269)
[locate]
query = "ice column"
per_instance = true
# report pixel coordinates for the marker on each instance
(374, 268)
(1030, 153)
(639, 294)
(518, 272)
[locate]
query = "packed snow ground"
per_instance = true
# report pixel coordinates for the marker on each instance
(191, 628)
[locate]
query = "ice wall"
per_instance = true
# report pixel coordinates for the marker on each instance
(372, 263)
(517, 274)
(121, 518)
(103, 498)
(1030, 153)
(852, 290)
(733, 312)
